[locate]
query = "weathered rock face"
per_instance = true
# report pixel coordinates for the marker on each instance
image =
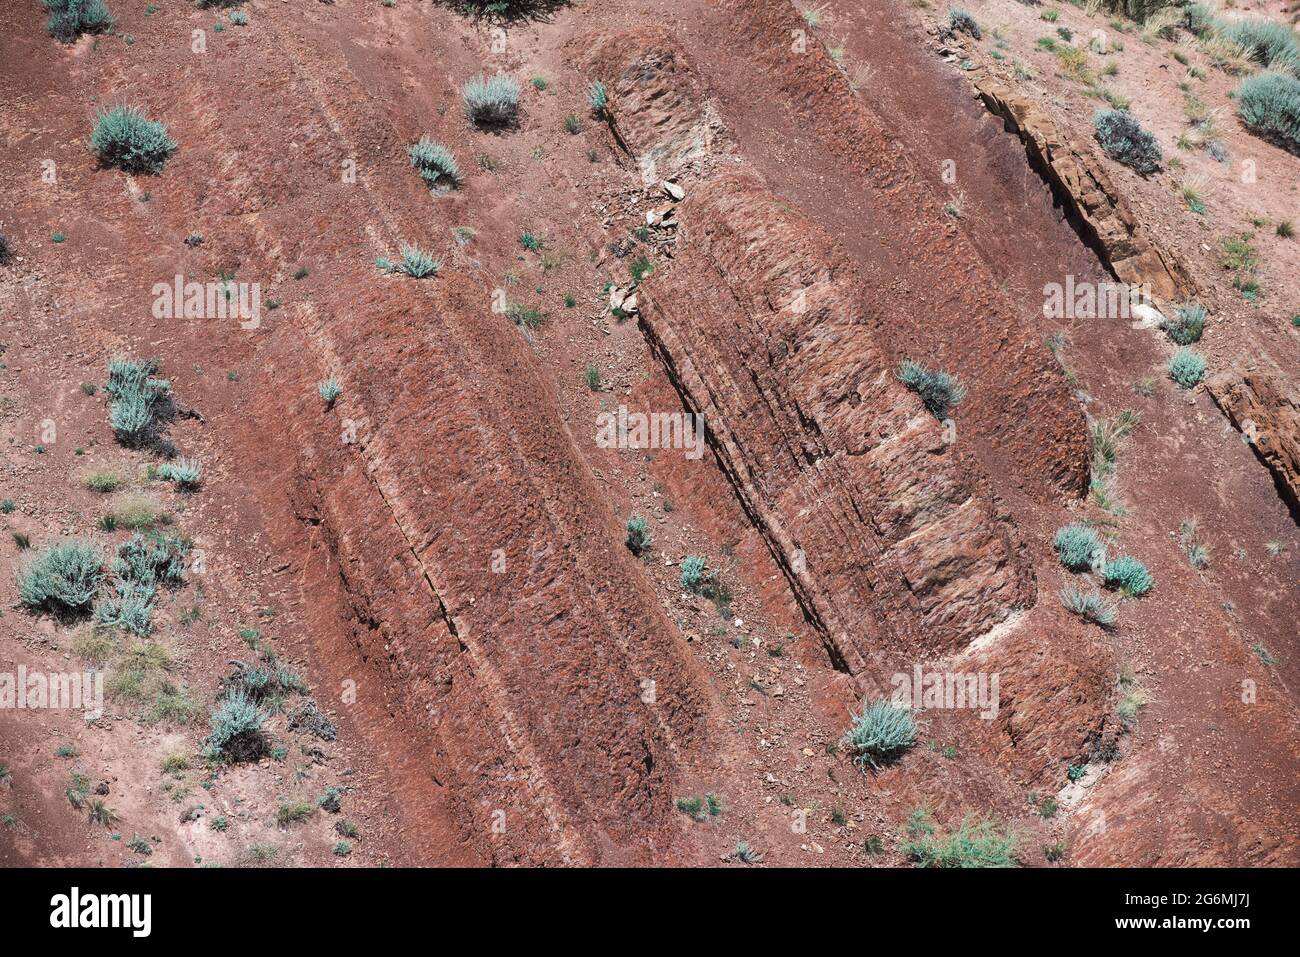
(882, 525)
(658, 111)
(478, 574)
(1055, 697)
(1268, 414)
(1080, 180)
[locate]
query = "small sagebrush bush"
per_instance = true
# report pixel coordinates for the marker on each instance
(638, 538)
(329, 390)
(1187, 325)
(1128, 575)
(959, 21)
(63, 577)
(692, 572)
(416, 263)
(597, 97)
(1186, 368)
(973, 845)
(1269, 105)
(136, 399)
(1077, 546)
(938, 391)
(1124, 140)
(492, 102)
(435, 164)
(69, 19)
(1090, 606)
(186, 473)
(880, 733)
(236, 733)
(141, 565)
(124, 137)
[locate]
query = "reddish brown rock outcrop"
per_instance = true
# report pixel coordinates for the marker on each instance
(1268, 414)
(1079, 179)
(658, 109)
(881, 523)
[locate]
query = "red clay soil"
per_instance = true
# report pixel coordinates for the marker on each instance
(441, 550)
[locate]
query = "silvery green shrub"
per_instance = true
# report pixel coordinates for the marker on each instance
(69, 19)
(1128, 575)
(880, 733)
(124, 137)
(1124, 140)
(236, 733)
(1269, 104)
(692, 572)
(435, 164)
(492, 101)
(1090, 606)
(1077, 546)
(63, 577)
(1186, 368)
(938, 391)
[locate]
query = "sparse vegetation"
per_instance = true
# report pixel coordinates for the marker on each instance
(492, 102)
(1090, 606)
(1128, 575)
(69, 19)
(939, 391)
(880, 733)
(236, 733)
(692, 572)
(1186, 368)
(972, 845)
(1125, 141)
(139, 845)
(1268, 43)
(124, 137)
(1269, 105)
(1077, 546)
(1187, 324)
(415, 263)
(435, 164)
(597, 97)
(186, 473)
(329, 390)
(138, 399)
(638, 539)
(103, 481)
(292, 812)
(1263, 655)
(62, 578)
(959, 21)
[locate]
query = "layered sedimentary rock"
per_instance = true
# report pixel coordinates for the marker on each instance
(1081, 181)
(1268, 414)
(659, 112)
(881, 523)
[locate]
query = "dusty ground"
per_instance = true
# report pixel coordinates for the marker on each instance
(441, 552)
